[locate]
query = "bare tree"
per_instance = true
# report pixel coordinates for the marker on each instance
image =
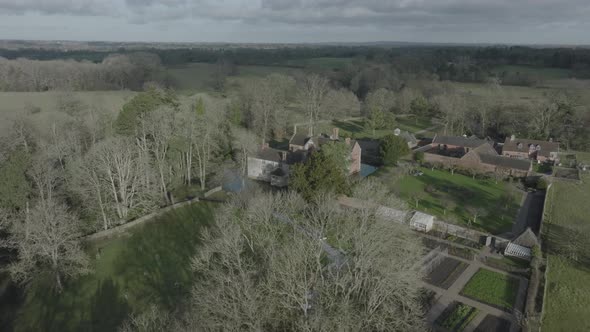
(118, 168)
(341, 104)
(312, 94)
(263, 268)
(46, 241)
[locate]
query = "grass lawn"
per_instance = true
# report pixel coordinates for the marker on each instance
(454, 195)
(493, 288)
(151, 266)
(357, 128)
(566, 233)
(456, 317)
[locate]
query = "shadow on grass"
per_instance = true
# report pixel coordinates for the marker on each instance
(151, 267)
(155, 265)
(568, 243)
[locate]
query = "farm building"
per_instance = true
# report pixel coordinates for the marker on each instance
(273, 165)
(531, 149)
(475, 154)
(422, 222)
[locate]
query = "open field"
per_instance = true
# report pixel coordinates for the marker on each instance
(45, 104)
(150, 266)
(446, 273)
(492, 288)
(566, 234)
(542, 73)
(451, 197)
(456, 317)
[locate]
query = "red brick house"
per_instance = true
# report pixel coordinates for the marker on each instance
(540, 151)
(272, 165)
(472, 153)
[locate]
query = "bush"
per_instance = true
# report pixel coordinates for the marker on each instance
(419, 156)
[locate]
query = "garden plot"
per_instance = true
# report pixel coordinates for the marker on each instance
(446, 272)
(456, 317)
(493, 324)
(493, 288)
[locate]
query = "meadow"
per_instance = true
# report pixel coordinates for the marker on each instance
(566, 231)
(148, 266)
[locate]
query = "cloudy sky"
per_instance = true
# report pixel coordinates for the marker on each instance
(465, 21)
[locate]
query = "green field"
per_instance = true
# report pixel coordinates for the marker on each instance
(543, 73)
(493, 288)
(150, 266)
(566, 233)
(451, 197)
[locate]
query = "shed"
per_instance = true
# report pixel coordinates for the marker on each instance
(516, 250)
(422, 222)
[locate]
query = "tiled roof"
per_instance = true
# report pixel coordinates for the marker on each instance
(269, 154)
(513, 163)
(546, 147)
(468, 142)
(299, 139)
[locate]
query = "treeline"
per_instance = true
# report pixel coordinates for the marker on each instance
(115, 72)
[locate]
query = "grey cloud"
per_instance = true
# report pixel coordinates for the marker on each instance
(370, 12)
(72, 7)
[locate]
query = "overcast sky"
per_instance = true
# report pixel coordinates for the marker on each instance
(464, 21)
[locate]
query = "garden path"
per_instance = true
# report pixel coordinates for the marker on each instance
(453, 294)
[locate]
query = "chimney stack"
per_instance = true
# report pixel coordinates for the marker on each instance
(283, 155)
(512, 138)
(335, 131)
(264, 146)
(347, 141)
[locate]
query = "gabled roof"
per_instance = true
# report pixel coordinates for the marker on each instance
(545, 147)
(468, 142)
(269, 154)
(505, 162)
(527, 239)
(299, 139)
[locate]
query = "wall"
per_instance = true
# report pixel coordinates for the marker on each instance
(150, 217)
(355, 154)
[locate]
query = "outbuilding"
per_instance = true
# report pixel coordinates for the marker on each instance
(422, 222)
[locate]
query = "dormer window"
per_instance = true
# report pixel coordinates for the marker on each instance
(519, 146)
(538, 147)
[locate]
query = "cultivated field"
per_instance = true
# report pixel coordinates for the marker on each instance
(150, 266)
(492, 288)
(456, 317)
(446, 273)
(566, 233)
(452, 197)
